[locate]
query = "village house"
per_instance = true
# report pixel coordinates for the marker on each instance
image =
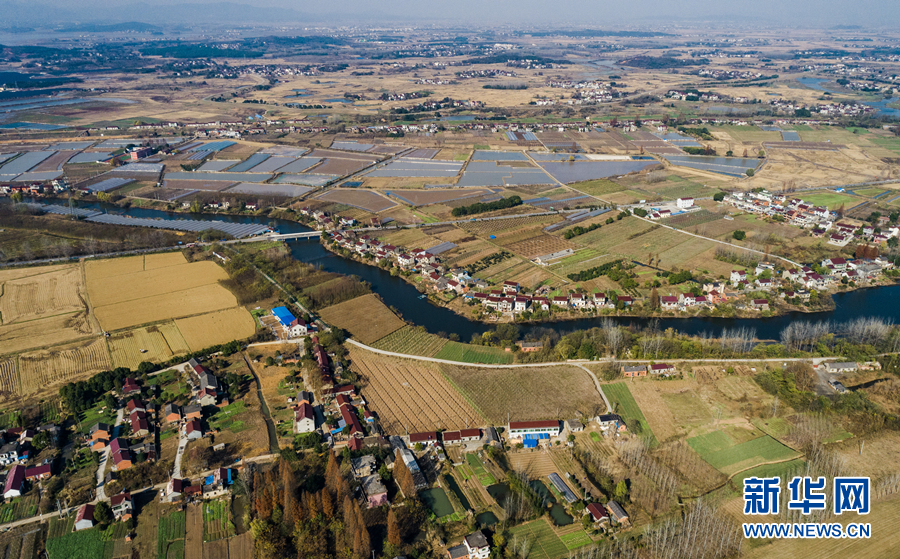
(376, 492)
(668, 302)
(172, 413)
(427, 438)
(760, 304)
(616, 512)
(304, 419)
(193, 429)
(15, 481)
(598, 513)
(122, 506)
(193, 411)
(738, 276)
(840, 367)
(38, 472)
(461, 436)
(84, 519)
(660, 368)
(634, 371)
(612, 420)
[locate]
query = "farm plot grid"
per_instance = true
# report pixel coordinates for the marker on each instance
(545, 544)
(576, 171)
(366, 317)
(407, 167)
(362, 199)
(410, 395)
(526, 393)
(154, 344)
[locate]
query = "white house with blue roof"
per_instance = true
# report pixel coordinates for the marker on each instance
(293, 326)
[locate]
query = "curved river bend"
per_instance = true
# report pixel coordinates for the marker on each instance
(882, 302)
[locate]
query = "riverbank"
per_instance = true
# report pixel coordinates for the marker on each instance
(472, 311)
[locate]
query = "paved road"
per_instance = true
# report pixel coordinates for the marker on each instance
(104, 457)
(182, 443)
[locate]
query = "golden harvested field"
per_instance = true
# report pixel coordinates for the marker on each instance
(44, 332)
(47, 369)
(215, 328)
(9, 378)
(102, 270)
(163, 260)
(410, 395)
(188, 302)
(526, 393)
(154, 282)
(49, 293)
(366, 318)
(161, 342)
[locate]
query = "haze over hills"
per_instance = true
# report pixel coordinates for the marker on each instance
(19, 13)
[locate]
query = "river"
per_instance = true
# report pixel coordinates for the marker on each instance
(881, 302)
(881, 106)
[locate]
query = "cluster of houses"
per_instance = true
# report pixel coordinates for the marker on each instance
(326, 222)
(138, 445)
(681, 204)
(818, 218)
(17, 451)
(122, 506)
(209, 487)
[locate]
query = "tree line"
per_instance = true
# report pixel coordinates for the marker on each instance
(482, 207)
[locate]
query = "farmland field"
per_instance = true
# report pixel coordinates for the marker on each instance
(163, 260)
(214, 328)
(538, 245)
(9, 377)
(831, 199)
(526, 393)
(158, 281)
(161, 342)
(719, 450)
(623, 403)
(410, 395)
(44, 332)
(650, 399)
(216, 520)
(484, 477)
(598, 187)
(46, 369)
(365, 317)
(544, 542)
(171, 528)
(194, 301)
(468, 353)
(363, 199)
(85, 544)
(411, 341)
(51, 291)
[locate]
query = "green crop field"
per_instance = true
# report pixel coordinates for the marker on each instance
(598, 187)
(85, 544)
(216, 521)
(720, 452)
(484, 477)
(466, 353)
(224, 417)
(545, 544)
(870, 192)
(831, 199)
(623, 403)
(171, 528)
(576, 540)
(411, 341)
(775, 427)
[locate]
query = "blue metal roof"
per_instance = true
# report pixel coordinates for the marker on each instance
(283, 315)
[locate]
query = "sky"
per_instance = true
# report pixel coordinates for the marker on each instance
(593, 13)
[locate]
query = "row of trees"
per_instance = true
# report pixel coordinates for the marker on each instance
(482, 207)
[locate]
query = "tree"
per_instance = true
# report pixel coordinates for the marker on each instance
(750, 172)
(719, 196)
(654, 299)
(621, 491)
(17, 197)
(196, 207)
(739, 235)
(102, 513)
(840, 211)
(404, 479)
(393, 530)
(110, 401)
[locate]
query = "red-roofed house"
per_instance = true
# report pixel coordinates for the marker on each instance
(85, 517)
(598, 513)
(130, 386)
(427, 438)
(193, 430)
(122, 460)
(659, 368)
(15, 479)
(38, 472)
(122, 506)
